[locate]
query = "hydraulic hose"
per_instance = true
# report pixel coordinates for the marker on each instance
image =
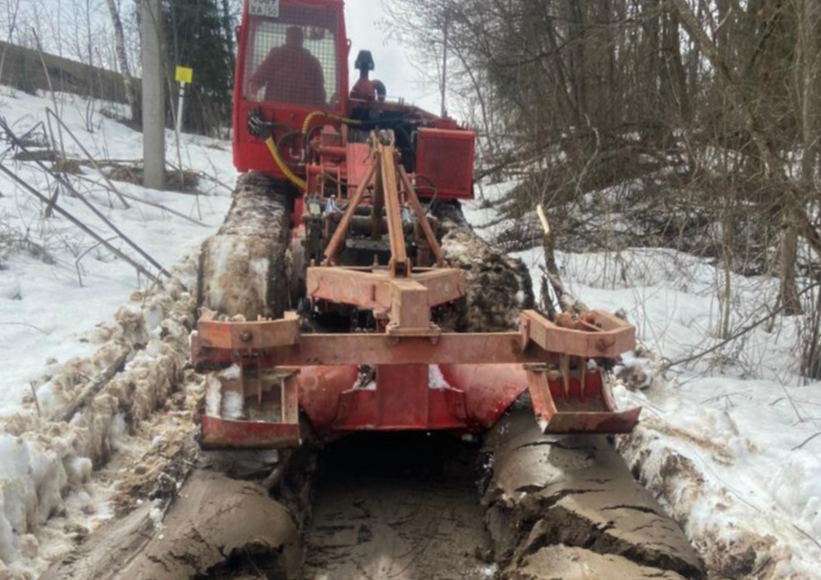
(334, 116)
(274, 150)
(292, 177)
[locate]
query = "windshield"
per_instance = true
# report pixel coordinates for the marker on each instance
(292, 58)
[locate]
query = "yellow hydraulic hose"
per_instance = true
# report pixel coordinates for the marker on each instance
(272, 146)
(333, 116)
(292, 177)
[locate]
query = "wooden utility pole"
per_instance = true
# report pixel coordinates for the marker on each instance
(153, 94)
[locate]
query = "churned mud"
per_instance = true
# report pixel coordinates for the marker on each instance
(398, 506)
(567, 508)
(213, 519)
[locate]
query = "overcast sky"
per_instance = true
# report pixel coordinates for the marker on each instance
(365, 20)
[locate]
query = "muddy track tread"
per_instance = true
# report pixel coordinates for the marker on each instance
(498, 286)
(244, 268)
(554, 498)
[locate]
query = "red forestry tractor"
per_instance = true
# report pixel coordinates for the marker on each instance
(323, 292)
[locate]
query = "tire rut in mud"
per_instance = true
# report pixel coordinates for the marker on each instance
(568, 508)
(398, 506)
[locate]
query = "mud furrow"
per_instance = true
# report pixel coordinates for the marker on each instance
(551, 505)
(398, 507)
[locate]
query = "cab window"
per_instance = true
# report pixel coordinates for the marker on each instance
(292, 59)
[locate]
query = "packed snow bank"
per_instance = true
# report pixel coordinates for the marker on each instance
(722, 454)
(56, 283)
(44, 459)
(55, 286)
(725, 441)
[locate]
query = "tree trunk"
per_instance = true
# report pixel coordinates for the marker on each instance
(122, 61)
(577, 32)
(806, 60)
(654, 76)
(808, 21)
(228, 30)
(793, 199)
(676, 81)
(788, 294)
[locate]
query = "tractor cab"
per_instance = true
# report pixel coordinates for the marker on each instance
(292, 61)
(291, 85)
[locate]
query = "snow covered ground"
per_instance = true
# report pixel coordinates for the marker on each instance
(69, 309)
(726, 441)
(57, 283)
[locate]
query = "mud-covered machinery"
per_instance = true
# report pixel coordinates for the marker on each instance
(353, 340)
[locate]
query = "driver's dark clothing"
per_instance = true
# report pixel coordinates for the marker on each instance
(291, 74)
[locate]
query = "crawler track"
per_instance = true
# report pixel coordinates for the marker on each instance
(244, 268)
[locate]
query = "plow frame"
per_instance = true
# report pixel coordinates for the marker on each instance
(557, 366)
(559, 363)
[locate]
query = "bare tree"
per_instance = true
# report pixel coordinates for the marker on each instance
(122, 60)
(696, 122)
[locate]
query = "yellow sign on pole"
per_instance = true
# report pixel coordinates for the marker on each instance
(184, 75)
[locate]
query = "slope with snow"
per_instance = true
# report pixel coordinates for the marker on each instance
(69, 309)
(727, 441)
(57, 283)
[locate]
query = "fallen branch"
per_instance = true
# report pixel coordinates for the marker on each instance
(36, 400)
(88, 155)
(116, 251)
(807, 535)
(805, 441)
(150, 203)
(26, 324)
(18, 144)
(96, 386)
(566, 301)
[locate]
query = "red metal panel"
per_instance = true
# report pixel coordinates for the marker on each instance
(320, 388)
(222, 433)
(358, 161)
(446, 158)
(489, 389)
(400, 403)
(403, 396)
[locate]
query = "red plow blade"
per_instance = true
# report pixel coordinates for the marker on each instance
(460, 382)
